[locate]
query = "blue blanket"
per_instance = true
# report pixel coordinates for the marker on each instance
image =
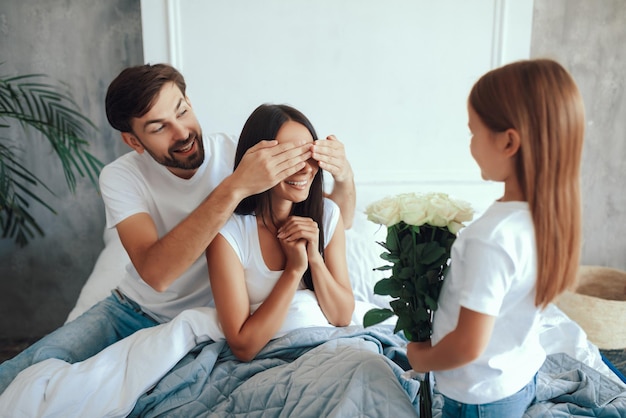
(567, 388)
(341, 372)
(313, 372)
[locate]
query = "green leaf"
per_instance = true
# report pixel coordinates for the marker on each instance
(375, 316)
(48, 111)
(400, 307)
(430, 302)
(431, 252)
(406, 273)
(390, 257)
(382, 244)
(388, 287)
(392, 243)
(422, 315)
(383, 268)
(403, 324)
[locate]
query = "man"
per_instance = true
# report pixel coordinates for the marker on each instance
(168, 200)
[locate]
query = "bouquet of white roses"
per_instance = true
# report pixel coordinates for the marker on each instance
(420, 231)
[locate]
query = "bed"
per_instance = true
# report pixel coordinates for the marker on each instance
(333, 372)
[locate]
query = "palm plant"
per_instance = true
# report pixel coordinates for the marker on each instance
(31, 105)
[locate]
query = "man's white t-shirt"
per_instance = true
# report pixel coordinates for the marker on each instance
(493, 271)
(135, 183)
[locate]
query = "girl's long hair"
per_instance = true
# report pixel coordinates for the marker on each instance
(264, 123)
(540, 100)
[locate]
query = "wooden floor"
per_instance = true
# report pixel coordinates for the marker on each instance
(9, 348)
(617, 358)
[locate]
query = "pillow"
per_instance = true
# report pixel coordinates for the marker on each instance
(107, 273)
(363, 256)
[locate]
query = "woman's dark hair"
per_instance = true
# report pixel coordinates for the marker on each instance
(132, 93)
(264, 123)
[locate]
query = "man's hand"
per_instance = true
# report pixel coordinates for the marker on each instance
(331, 156)
(268, 163)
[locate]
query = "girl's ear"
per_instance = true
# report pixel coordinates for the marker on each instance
(132, 141)
(511, 142)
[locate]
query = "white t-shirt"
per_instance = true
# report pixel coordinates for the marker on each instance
(493, 271)
(135, 183)
(242, 234)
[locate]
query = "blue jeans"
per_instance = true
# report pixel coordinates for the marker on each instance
(513, 406)
(107, 322)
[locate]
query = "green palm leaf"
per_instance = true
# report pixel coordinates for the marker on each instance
(49, 112)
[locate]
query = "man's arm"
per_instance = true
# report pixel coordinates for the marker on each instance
(331, 156)
(160, 262)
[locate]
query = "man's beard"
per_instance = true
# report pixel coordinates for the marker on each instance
(172, 160)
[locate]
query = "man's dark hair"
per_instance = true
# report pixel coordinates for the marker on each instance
(132, 93)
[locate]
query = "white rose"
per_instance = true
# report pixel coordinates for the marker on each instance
(455, 227)
(440, 209)
(385, 212)
(413, 209)
(465, 211)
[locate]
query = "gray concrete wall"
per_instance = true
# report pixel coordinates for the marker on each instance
(589, 39)
(83, 43)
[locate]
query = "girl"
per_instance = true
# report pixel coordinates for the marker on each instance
(286, 239)
(527, 125)
(278, 264)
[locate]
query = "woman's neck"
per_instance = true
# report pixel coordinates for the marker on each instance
(281, 210)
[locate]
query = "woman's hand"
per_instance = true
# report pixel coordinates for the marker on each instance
(298, 229)
(295, 252)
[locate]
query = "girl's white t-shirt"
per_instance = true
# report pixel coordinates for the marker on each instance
(493, 271)
(135, 183)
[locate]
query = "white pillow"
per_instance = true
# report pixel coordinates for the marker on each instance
(107, 273)
(363, 256)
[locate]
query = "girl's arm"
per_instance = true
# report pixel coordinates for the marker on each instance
(247, 334)
(458, 348)
(330, 274)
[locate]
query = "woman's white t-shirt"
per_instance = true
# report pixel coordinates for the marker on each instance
(242, 234)
(493, 271)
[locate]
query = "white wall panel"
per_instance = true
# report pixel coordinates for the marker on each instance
(390, 79)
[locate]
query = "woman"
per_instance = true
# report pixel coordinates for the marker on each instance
(287, 239)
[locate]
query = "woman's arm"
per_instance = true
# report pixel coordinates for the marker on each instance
(461, 346)
(247, 333)
(330, 274)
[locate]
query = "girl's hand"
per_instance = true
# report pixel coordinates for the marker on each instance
(297, 228)
(415, 353)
